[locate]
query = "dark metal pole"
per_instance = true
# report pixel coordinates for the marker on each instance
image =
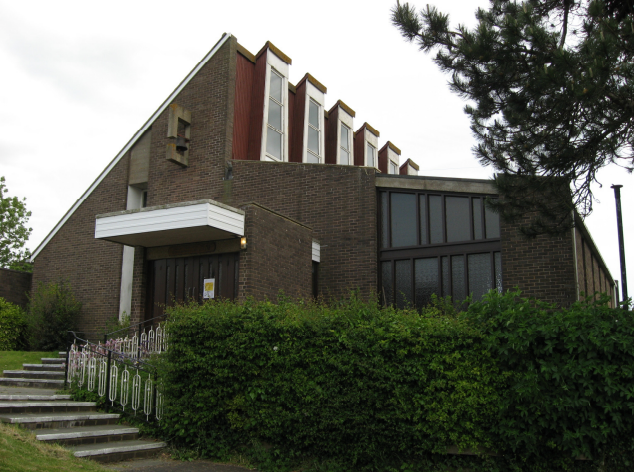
(619, 223)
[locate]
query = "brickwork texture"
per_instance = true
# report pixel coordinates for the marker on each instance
(15, 286)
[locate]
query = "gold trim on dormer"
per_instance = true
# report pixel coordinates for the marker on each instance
(274, 50)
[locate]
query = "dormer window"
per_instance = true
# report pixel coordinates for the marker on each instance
(393, 168)
(275, 125)
(370, 155)
(313, 155)
(345, 144)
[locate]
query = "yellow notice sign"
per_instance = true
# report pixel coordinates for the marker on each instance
(209, 286)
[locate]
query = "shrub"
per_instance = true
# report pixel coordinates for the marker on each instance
(12, 327)
(363, 386)
(571, 388)
(53, 311)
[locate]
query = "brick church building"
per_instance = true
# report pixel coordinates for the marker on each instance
(245, 179)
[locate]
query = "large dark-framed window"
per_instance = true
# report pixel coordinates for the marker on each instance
(446, 244)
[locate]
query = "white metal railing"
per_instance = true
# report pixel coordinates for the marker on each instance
(117, 372)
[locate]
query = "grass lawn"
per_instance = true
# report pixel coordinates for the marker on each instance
(13, 360)
(21, 452)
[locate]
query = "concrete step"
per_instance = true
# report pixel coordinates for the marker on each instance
(62, 355)
(118, 450)
(45, 407)
(59, 420)
(32, 383)
(41, 374)
(44, 367)
(84, 435)
(52, 360)
(28, 397)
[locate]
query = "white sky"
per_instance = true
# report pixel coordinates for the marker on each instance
(79, 78)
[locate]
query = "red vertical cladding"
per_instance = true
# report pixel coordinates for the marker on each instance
(257, 107)
(295, 132)
(331, 135)
(245, 69)
(403, 169)
(359, 146)
(297, 124)
(383, 158)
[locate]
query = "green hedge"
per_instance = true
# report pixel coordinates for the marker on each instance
(356, 387)
(12, 326)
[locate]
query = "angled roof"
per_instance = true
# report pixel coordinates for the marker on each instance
(131, 143)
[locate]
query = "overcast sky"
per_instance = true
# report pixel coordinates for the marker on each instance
(80, 78)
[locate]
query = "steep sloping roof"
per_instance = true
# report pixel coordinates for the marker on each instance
(130, 143)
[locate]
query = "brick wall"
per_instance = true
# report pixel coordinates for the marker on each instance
(91, 266)
(14, 286)
(209, 96)
(337, 202)
(278, 256)
(542, 267)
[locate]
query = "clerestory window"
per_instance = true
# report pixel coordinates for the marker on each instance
(345, 145)
(313, 154)
(275, 124)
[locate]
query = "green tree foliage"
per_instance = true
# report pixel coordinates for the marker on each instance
(12, 326)
(53, 311)
(13, 231)
(357, 387)
(550, 92)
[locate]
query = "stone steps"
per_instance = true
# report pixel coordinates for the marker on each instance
(119, 451)
(55, 418)
(32, 383)
(41, 374)
(83, 435)
(44, 367)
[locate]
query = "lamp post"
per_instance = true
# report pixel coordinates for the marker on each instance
(619, 223)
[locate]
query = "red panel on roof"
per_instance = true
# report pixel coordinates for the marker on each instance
(242, 104)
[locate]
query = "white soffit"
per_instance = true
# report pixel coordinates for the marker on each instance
(188, 222)
(316, 251)
(130, 143)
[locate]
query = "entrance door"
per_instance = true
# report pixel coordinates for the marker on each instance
(181, 280)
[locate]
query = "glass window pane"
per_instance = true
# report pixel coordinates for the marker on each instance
(403, 291)
(444, 267)
(276, 87)
(427, 280)
(423, 219)
(479, 275)
(457, 218)
(457, 279)
(477, 218)
(313, 114)
(385, 227)
(345, 137)
(313, 140)
(403, 212)
(393, 169)
(312, 159)
(386, 282)
(344, 157)
(273, 143)
(435, 219)
(492, 223)
(275, 115)
(497, 260)
(370, 154)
